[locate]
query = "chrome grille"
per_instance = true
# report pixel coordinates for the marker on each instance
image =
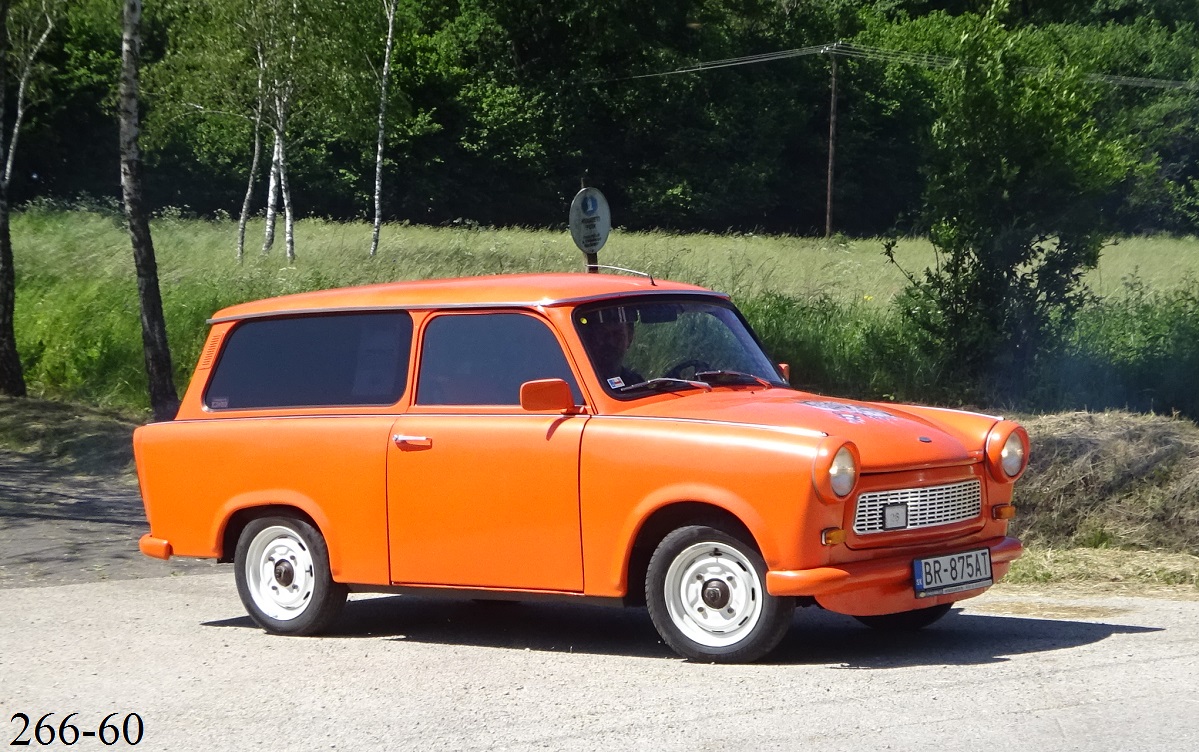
(927, 507)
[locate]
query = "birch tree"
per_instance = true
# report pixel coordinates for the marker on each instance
(163, 398)
(242, 63)
(24, 28)
(389, 12)
(284, 69)
(255, 156)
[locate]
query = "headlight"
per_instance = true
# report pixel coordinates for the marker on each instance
(1007, 451)
(1011, 459)
(843, 473)
(835, 469)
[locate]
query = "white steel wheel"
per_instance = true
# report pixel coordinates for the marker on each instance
(713, 595)
(282, 570)
(706, 594)
(279, 573)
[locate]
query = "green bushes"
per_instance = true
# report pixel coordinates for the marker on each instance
(849, 348)
(1138, 350)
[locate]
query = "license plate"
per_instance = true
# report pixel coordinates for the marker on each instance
(938, 575)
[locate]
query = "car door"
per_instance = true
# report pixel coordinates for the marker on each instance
(480, 492)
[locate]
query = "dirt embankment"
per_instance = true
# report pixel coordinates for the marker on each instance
(1112, 479)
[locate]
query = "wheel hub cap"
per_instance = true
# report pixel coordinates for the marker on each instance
(716, 593)
(284, 573)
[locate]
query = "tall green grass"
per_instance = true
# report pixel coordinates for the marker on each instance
(824, 306)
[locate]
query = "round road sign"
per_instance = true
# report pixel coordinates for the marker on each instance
(590, 220)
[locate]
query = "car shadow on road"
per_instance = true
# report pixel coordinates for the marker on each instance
(816, 637)
(959, 639)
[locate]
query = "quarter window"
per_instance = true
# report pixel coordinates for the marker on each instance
(482, 359)
(314, 361)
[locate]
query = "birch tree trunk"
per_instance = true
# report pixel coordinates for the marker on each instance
(163, 399)
(281, 109)
(389, 9)
(254, 159)
(272, 197)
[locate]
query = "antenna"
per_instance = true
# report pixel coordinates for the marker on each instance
(634, 272)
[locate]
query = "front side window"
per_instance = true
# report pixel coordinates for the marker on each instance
(313, 361)
(482, 359)
(638, 347)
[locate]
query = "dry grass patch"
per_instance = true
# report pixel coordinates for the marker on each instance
(1112, 479)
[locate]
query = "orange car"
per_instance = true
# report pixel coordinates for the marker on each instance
(571, 435)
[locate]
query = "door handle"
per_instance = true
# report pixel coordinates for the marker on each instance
(413, 442)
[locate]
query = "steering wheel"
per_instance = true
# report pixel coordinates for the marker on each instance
(676, 371)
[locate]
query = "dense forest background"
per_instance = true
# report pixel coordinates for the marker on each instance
(497, 108)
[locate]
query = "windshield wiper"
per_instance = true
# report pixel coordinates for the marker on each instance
(662, 382)
(732, 377)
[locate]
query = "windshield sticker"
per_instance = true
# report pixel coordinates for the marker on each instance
(615, 382)
(850, 413)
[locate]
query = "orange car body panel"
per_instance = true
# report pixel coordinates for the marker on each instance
(466, 496)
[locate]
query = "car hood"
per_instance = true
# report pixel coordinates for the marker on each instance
(887, 436)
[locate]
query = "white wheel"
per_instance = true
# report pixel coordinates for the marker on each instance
(283, 577)
(713, 595)
(279, 573)
(706, 593)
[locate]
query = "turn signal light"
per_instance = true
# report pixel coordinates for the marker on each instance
(1003, 512)
(832, 536)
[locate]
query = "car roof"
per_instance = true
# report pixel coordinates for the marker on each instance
(504, 290)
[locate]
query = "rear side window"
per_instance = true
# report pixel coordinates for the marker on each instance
(482, 359)
(313, 361)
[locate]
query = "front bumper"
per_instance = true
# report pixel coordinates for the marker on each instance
(154, 547)
(881, 586)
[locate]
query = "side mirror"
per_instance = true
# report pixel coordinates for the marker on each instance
(786, 371)
(545, 395)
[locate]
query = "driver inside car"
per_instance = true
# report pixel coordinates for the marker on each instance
(607, 342)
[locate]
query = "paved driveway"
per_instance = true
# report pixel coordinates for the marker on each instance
(89, 626)
(417, 673)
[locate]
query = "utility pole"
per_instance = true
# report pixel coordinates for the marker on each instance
(832, 141)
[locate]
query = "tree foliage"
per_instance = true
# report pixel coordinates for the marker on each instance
(1017, 182)
(498, 107)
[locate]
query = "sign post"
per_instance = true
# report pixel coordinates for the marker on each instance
(590, 223)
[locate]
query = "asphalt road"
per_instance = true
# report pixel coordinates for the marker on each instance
(1010, 669)
(89, 626)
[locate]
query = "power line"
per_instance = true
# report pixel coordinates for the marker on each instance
(903, 57)
(731, 62)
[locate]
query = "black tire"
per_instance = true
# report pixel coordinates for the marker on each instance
(706, 593)
(298, 595)
(906, 621)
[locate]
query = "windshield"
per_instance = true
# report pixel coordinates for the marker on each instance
(639, 347)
